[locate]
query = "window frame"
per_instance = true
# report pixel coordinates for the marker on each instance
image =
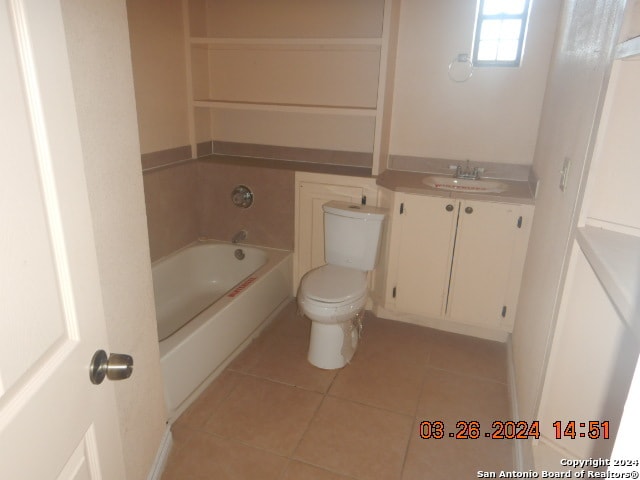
(524, 16)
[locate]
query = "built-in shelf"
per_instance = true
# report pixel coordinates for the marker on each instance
(315, 76)
(283, 107)
(615, 259)
(287, 41)
(629, 50)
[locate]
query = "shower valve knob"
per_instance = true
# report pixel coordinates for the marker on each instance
(242, 196)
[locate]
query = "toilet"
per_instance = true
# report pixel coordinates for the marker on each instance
(333, 296)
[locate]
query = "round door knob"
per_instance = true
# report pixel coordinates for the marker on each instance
(116, 366)
(449, 208)
(468, 210)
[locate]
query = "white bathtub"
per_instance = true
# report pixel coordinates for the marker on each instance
(209, 304)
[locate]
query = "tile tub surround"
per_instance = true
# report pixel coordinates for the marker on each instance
(191, 199)
(271, 415)
(171, 197)
(269, 221)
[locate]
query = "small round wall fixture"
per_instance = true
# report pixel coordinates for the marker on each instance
(242, 196)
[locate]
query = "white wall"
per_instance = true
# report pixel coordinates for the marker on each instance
(571, 109)
(100, 61)
(491, 117)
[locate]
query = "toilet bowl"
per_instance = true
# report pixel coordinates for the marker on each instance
(334, 295)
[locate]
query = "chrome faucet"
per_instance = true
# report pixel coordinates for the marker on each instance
(467, 171)
(239, 237)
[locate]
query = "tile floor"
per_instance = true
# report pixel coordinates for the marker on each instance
(271, 415)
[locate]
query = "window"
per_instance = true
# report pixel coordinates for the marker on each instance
(500, 32)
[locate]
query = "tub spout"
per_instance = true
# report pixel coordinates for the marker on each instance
(240, 236)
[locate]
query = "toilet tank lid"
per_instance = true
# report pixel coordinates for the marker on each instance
(355, 210)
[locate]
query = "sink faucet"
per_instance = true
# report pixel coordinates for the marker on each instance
(467, 171)
(240, 236)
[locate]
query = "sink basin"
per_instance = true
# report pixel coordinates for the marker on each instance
(464, 184)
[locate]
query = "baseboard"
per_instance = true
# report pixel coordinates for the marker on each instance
(522, 453)
(162, 456)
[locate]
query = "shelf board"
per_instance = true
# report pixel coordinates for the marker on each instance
(629, 49)
(287, 41)
(284, 107)
(615, 259)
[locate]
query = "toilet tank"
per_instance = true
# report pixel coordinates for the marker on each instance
(352, 234)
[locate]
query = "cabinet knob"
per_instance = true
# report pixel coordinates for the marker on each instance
(449, 208)
(468, 210)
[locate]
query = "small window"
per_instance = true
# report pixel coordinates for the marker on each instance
(500, 32)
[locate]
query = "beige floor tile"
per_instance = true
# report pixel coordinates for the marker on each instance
(206, 456)
(450, 397)
(303, 471)
(357, 440)
(284, 359)
(449, 458)
(198, 413)
(291, 323)
(381, 381)
(280, 354)
(388, 368)
(473, 356)
(265, 414)
(250, 355)
(269, 416)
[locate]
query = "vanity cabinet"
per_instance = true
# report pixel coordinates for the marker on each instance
(457, 260)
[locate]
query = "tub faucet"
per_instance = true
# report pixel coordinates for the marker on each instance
(240, 236)
(467, 171)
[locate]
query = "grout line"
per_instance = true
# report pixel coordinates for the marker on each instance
(377, 407)
(469, 375)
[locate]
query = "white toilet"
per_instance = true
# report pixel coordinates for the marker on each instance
(333, 296)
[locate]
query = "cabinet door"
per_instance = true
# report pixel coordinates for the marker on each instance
(486, 259)
(424, 244)
(310, 241)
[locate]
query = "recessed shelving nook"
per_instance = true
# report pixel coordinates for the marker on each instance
(299, 74)
(609, 226)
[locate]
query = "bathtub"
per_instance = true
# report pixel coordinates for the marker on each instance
(209, 304)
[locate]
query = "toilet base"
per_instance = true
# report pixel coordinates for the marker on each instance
(332, 345)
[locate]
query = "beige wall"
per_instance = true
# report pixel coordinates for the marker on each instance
(571, 110)
(98, 44)
(491, 117)
(158, 55)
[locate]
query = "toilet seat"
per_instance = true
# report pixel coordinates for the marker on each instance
(332, 294)
(334, 284)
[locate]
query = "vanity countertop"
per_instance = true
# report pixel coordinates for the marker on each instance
(411, 182)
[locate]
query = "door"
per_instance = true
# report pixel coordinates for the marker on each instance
(427, 229)
(483, 258)
(53, 422)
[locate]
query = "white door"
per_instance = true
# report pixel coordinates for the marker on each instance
(53, 422)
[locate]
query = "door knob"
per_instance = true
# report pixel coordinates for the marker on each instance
(116, 366)
(468, 210)
(449, 208)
